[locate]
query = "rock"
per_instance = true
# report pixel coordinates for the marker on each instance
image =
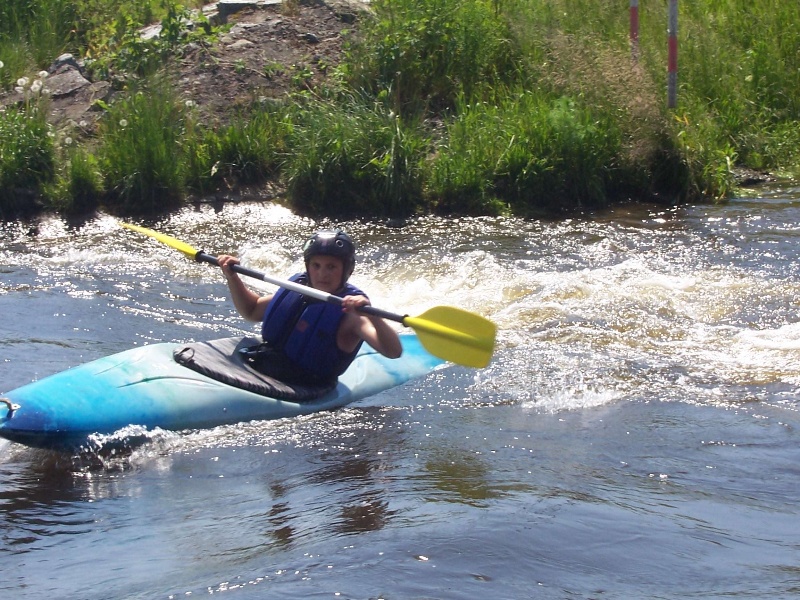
(151, 32)
(65, 62)
(66, 82)
(226, 8)
(79, 105)
(240, 44)
(252, 61)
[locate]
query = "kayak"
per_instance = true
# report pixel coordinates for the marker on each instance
(149, 388)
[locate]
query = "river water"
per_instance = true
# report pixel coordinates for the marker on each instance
(636, 435)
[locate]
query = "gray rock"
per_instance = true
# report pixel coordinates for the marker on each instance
(65, 62)
(66, 82)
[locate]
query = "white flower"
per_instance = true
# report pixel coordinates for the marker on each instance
(68, 141)
(83, 124)
(22, 81)
(36, 86)
(123, 122)
(1, 64)
(19, 89)
(189, 103)
(43, 74)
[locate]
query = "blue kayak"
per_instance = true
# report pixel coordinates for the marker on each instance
(148, 387)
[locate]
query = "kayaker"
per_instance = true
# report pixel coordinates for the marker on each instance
(306, 340)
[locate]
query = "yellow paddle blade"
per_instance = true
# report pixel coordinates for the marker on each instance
(165, 239)
(455, 335)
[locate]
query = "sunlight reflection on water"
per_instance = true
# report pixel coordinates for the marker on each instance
(634, 436)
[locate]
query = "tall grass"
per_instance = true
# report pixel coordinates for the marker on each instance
(354, 157)
(527, 153)
(427, 53)
(32, 33)
(250, 149)
(78, 188)
(743, 72)
(739, 79)
(141, 154)
(480, 106)
(27, 154)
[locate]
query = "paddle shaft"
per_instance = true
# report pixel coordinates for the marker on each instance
(449, 333)
(300, 289)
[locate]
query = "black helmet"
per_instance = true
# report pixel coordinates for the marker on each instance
(332, 242)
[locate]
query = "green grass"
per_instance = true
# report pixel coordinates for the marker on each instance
(248, 150)
(354, 157)
(427, 53)
(32, 33)
(461, 106)
(140, 153)
(525, 153)
(27, 154)
(78, 188)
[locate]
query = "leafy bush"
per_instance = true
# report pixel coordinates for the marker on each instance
(121, 52)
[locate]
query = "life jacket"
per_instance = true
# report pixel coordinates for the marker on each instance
(305, 329)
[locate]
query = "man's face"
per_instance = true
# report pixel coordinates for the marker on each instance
(325, 273)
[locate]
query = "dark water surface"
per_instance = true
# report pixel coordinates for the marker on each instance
(636, 435)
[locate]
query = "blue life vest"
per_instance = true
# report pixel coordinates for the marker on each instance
(305, 330)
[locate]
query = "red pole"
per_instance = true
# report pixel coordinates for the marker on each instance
(672, 61)
(635, 29)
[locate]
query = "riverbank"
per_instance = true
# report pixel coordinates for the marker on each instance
(401, 110)
(261, 47)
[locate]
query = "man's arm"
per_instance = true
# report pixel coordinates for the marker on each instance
(249, 304)
(373, 330)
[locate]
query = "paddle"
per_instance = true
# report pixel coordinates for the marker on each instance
(453, 334)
